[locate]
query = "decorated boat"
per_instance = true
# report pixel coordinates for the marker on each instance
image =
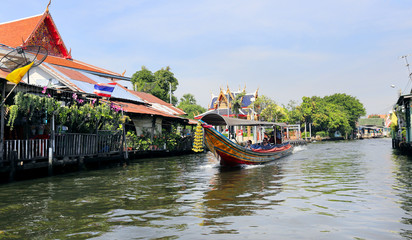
(232, 154)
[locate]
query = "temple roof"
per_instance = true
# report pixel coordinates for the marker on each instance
(41, 30)
(247, 100)
(16, 32)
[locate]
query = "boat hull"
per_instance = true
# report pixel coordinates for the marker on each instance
(231, 154)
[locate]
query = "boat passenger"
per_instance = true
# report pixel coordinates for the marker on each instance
(249, 144)
(265, 144)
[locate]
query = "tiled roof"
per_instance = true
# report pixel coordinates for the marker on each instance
(3, 74)
(142, 109)
(149, 98)
(15, 32)
(76, 64)
(73, 74)
(85, 82)
(378, 122)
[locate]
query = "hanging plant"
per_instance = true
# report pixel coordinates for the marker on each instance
(79, 117)
(13, 113)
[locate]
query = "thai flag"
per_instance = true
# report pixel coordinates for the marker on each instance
(388, 121)
(104, 89)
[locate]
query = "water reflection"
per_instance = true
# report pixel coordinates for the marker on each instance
(242, 191)
(336, 190)
(403, 187)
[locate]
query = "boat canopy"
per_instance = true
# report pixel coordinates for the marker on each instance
(218, 120)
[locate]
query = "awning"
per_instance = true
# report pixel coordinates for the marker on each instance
(216, 120)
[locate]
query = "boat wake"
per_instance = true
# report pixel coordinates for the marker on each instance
(298, 149)
(252, 166)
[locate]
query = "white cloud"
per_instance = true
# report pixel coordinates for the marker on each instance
(287, 49)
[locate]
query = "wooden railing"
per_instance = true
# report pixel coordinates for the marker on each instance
(74, 144)
(77, 144)
(27, 149)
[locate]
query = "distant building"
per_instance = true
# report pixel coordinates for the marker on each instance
(372, 127)
(223, 102)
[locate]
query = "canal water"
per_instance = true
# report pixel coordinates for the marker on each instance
(327, 190)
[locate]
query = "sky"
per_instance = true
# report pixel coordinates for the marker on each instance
(285, 49)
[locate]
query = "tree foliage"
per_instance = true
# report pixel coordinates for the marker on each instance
(188, 105)
(351, 105)
(159, 84)
(274, 113)
(237, 103)
(261, 103)
(337, 112)
(143, 80)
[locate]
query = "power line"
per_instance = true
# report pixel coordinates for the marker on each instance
(409, 73)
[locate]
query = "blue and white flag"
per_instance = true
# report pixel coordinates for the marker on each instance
(104, 89)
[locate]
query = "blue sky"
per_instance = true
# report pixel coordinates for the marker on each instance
(287, 49)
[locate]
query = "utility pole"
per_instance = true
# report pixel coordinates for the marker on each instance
(409, 70)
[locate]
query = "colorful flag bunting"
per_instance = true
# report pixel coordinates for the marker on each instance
(104, 89)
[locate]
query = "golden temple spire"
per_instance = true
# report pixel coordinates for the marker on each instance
(47, 8)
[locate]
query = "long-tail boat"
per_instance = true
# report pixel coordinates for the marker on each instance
(231, 154)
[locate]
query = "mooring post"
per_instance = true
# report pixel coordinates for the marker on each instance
(51, 146)
(3, 93)
(124, 145)
(13, 159)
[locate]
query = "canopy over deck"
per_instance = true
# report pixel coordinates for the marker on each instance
(217, 120)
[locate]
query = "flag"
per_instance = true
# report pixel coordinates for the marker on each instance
(104, 89)
(388, 121)
(394, 119)
(18, 74)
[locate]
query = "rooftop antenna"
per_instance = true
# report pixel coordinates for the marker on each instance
(20, 57)
(409, 71)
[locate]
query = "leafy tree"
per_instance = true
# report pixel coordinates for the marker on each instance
(237, 103)
(143, 80)
(261, 103)
(293, 115)
(188, 105)
(351, 105)
(157, 84)
(187, 99)
(274, 113)
(165, 80)
(338, 112)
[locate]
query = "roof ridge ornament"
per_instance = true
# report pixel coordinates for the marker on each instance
(47, 8)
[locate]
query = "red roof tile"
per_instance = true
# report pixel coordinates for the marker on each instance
(14, 33)
(77, 64)
(153, 99)
(76, 75)
(142, 109)
(3, 74)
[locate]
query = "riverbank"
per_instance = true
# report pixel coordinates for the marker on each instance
(36, 168)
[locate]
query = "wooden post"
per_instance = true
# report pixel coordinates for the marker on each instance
(13, 159)
(52, 146)
(153, 128)
(124, 145)
(3, 94)
(310, 131)
(306, 138)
